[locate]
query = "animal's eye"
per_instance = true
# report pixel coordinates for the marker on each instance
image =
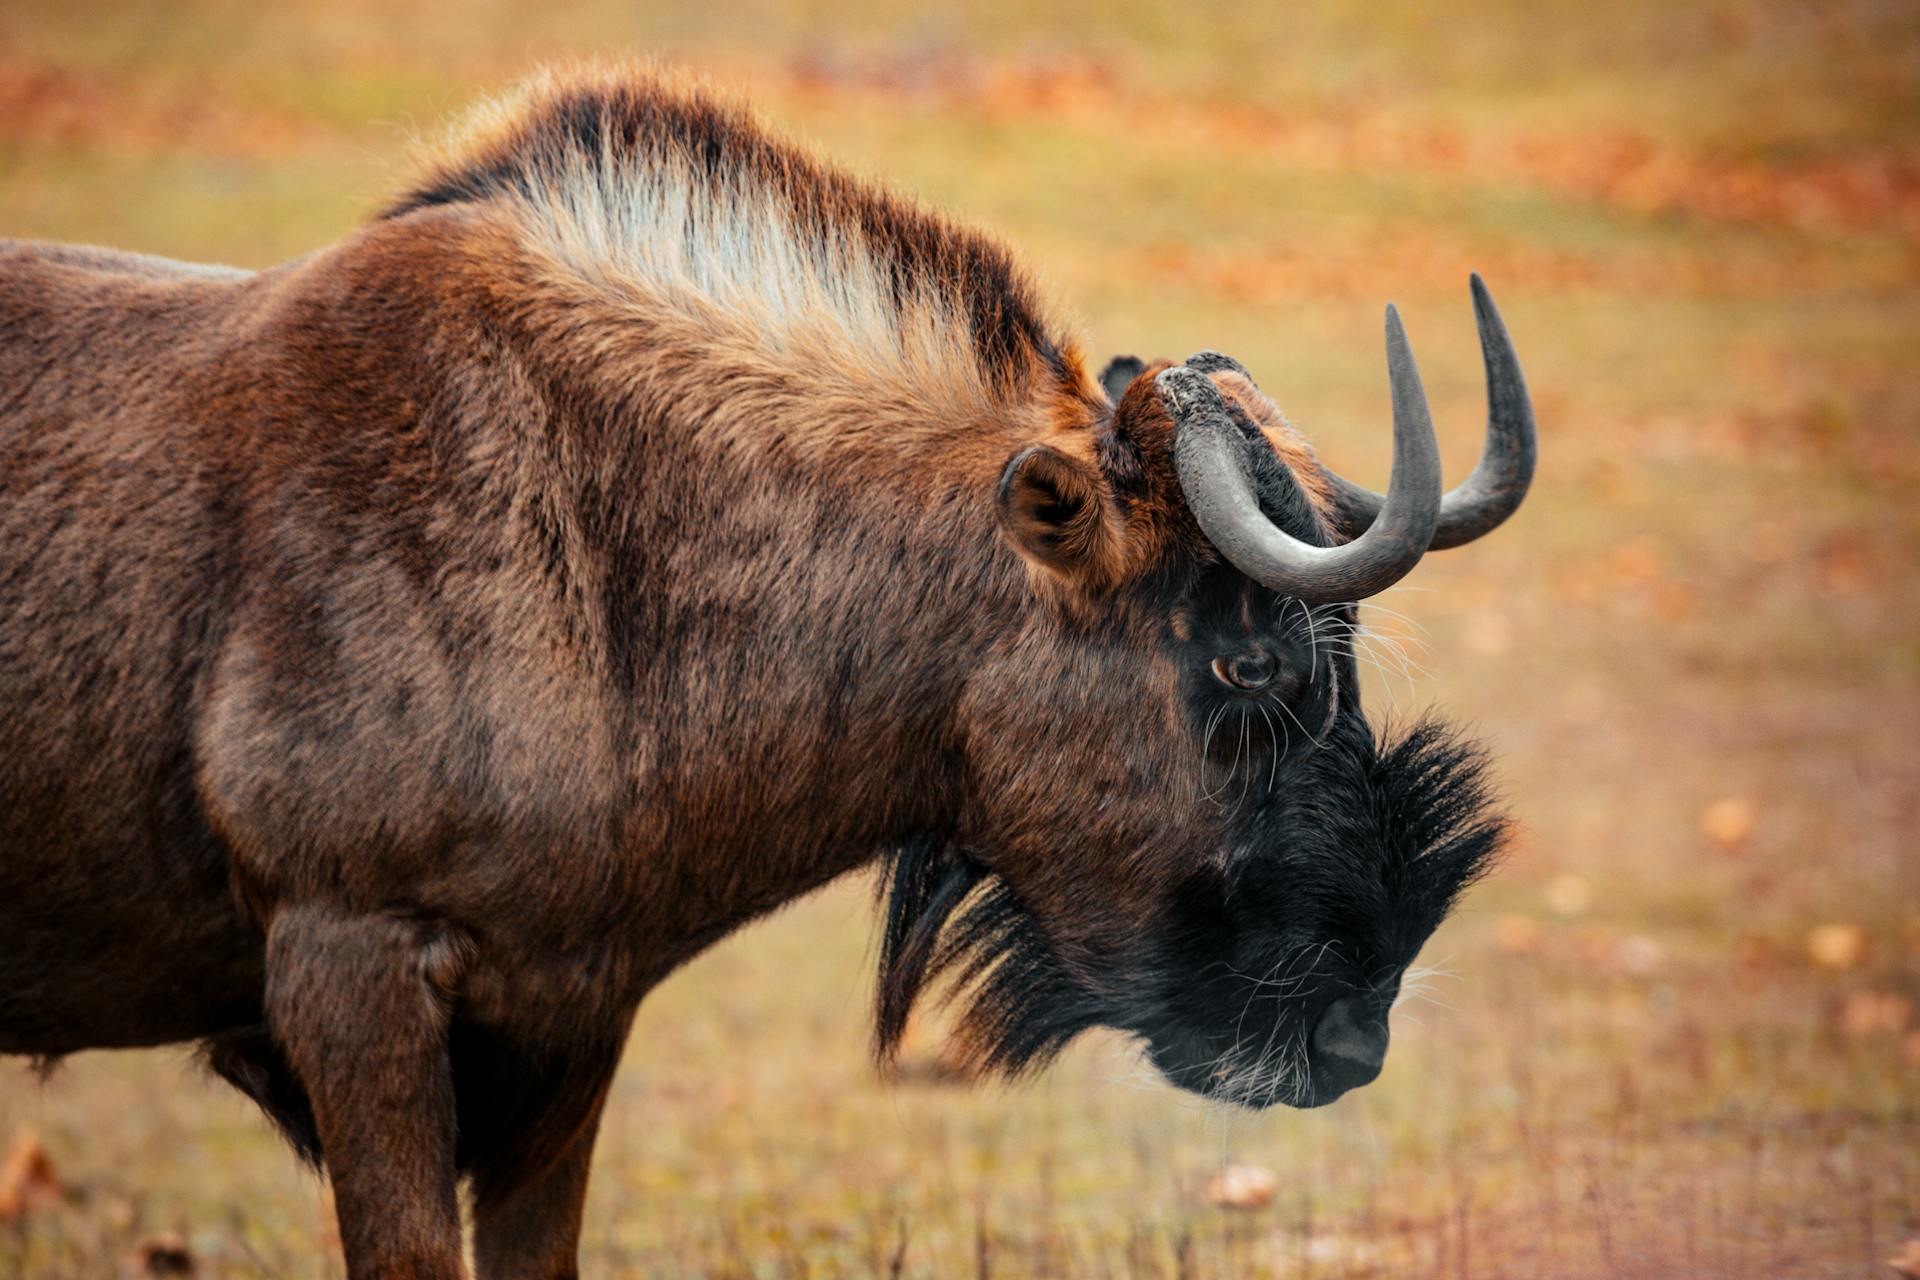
(1245, 670)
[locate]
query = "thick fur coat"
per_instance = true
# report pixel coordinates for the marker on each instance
(411, 654)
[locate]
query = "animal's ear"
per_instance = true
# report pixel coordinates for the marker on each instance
(1055, 508)
(1119, 375)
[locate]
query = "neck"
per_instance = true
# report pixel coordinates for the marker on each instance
(797, 567)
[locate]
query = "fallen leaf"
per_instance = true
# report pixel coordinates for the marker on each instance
(1907, 1261)
(1727, 823)
(1242, 1186)
(1837, 946)
(27, 1181)
(165, 1254)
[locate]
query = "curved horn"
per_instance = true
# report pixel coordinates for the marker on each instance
(1500, 479)
(1209, 453)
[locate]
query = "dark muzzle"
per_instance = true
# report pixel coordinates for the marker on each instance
(1349, 1046)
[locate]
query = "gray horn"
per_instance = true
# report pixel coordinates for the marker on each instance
(1209, 452)
(1499, 481)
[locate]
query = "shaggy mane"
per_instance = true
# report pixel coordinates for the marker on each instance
(635, 180)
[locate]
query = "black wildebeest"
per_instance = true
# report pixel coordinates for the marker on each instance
(409, 655)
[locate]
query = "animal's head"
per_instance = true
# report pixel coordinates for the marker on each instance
(1181, 822)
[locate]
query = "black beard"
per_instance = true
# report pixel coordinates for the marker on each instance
(949, 919)
(1413, 815)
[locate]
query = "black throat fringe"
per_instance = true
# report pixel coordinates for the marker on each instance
(950, 920)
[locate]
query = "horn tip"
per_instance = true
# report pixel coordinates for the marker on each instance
(1483, 298)
(1398, 348)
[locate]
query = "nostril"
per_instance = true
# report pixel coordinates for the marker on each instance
(1351, 1041)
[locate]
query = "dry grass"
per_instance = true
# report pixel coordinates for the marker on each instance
(1696, 650)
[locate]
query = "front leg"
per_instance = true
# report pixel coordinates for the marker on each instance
(530, 1229)
(353, 1002)
(528, 1118)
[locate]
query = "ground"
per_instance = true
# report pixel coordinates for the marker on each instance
(1676, 1035)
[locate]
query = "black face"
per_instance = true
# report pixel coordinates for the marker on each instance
(1289, 956)
(1271, 974)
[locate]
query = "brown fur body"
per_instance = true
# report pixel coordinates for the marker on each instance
(411, 654)
(371, 593)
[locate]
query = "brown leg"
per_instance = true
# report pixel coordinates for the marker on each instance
(349, 1002)
(530, 1229)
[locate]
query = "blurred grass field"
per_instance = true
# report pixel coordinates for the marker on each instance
(1680, 1032)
